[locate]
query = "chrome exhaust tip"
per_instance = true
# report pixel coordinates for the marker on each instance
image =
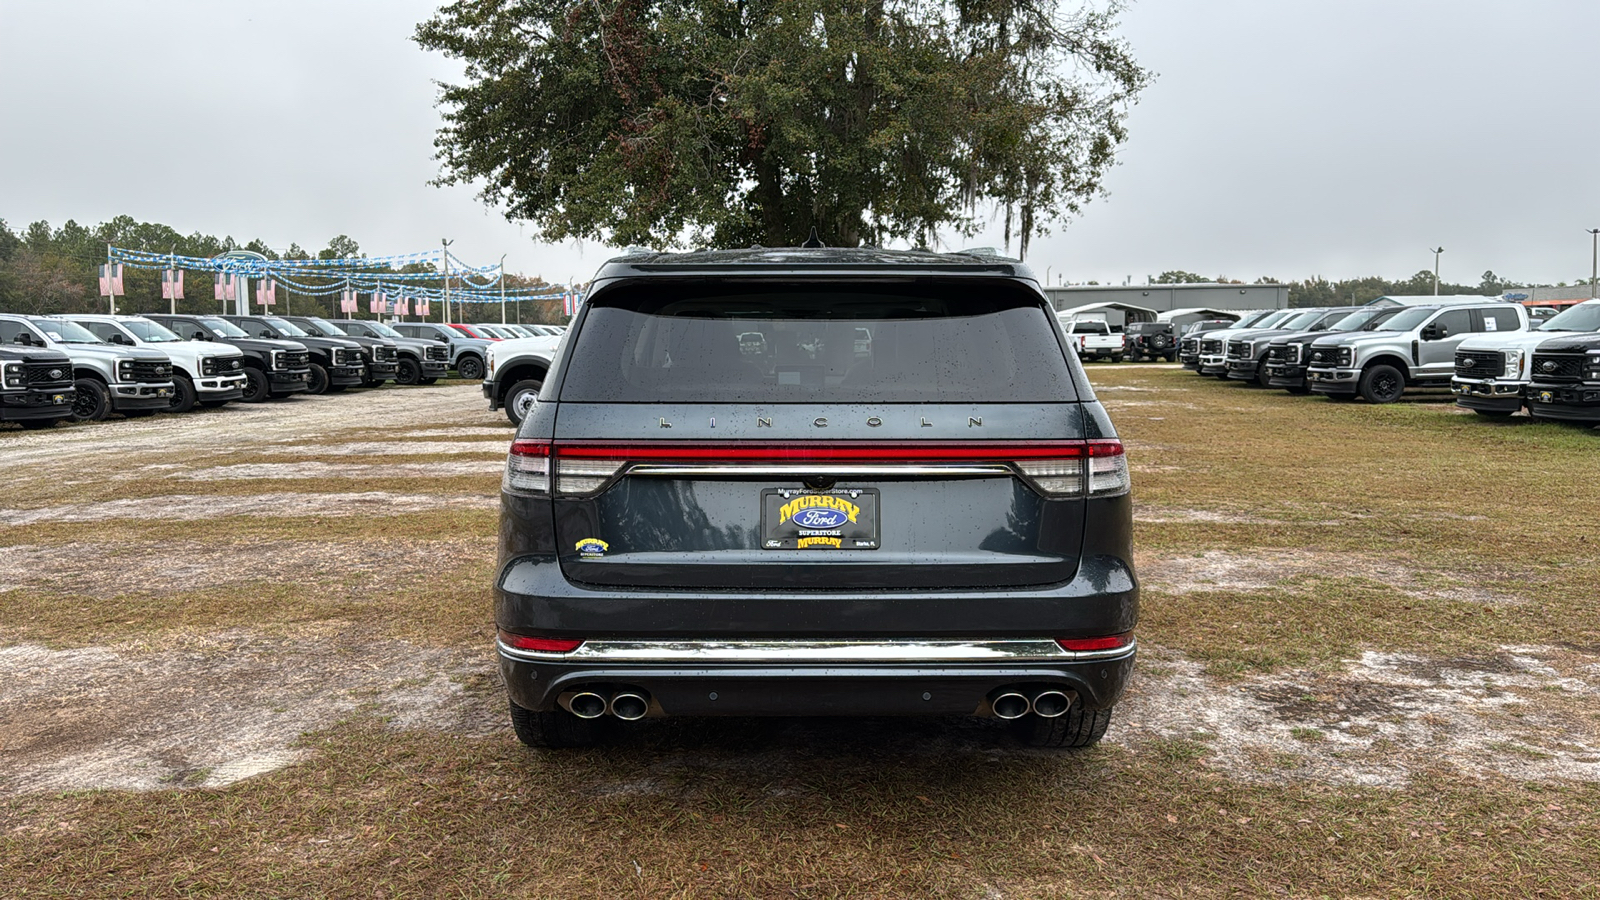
(629, 707)
(1009, 705)
(1050, 704)
(587, 705)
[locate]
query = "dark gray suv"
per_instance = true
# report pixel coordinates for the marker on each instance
(778, 482)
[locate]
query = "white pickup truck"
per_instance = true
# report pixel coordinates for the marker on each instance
(1094, 339)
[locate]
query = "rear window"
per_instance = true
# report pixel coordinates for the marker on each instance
(790, 344)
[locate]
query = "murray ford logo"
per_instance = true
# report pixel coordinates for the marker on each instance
(818, 511)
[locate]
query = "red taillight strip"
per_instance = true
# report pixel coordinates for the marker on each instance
(816, 451)
(530, 448)
(1109, 642)
(539, 644)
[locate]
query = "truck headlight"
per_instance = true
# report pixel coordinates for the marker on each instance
(13, 375)
(488, 374)
(1513, 363)
(124, 370)
(277, 359)
(1593, 364)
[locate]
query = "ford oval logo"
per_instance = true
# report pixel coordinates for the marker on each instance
(1549, 365)
(820, 518)
(55, 374)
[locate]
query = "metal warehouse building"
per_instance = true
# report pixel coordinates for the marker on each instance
(1164, 297)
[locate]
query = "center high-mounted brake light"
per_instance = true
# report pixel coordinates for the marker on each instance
(1094, 468)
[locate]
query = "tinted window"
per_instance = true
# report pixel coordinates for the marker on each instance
(1500, 320)
(1454, 321)
(799, 345)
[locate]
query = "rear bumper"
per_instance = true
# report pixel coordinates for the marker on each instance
(18, 405)
(775, 683)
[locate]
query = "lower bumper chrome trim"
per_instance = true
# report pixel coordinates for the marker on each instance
(844, 651)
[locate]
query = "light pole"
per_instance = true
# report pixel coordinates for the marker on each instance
(446, 244)
(502, 289)
(1594, 262)
(1436, 251)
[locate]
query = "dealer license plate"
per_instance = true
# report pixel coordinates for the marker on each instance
(839, 519)
(1547, 397)
(59, 399)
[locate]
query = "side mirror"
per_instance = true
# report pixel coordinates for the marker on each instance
(23, 338)
(1432, 332)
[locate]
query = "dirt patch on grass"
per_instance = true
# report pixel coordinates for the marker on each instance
(274, 505)
(102, 570)
(1257, 570)
(1521, 713)
(216, 710)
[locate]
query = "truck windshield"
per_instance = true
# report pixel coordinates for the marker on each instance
(1407, 319)
(1304, 320)
(1583, 317)
(68, 333)
(383, 329)
(223, 328)
(1248, 321)
(287, 327)
(1361, 319)
(325, 328)
(149, 332)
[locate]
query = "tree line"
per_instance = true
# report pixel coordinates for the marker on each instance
(1319, 291)
(45, 270)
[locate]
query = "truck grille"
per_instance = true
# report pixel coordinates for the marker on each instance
(1238, 349)
(42, 374)
(344, 356)
(442, 354)
(1479, 363)
(1330, 356)
(1211, 345)
(214, 366)
(1276, 353)
(1557, 366)
(151, 372)
(296, 359)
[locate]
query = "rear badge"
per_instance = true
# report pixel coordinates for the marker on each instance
(842, 519)
(592, 548)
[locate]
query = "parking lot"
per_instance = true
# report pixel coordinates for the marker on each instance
(247, 651)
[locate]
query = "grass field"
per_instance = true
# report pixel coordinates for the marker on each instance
(245, 653)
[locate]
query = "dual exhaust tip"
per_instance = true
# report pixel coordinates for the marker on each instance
(1046, 704)
(629, 706)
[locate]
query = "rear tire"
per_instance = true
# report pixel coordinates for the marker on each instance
(183, 395)
(92, 401)
(1077, 727)
(256, 386)
(554, 730)
(1381, 384)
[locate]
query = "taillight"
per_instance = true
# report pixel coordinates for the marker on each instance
(539, 644)
(527, 468)
(1096, 468)
(1110, 642)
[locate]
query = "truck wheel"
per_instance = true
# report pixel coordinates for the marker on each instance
(318, 380)
(1381, 384)
(1261, 376)
(520, 399)
(410, 371)
(183, 395)
(93, 401)
(470, 368)
(554, 730)
(256, 386)
(1078, 727)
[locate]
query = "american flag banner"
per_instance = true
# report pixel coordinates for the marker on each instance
(111, 280)
(422, 306)
(267, 292)
(219, 286)
(402, 306)
(172, 284)
(347, 301)
(375, 304)
(230, 287)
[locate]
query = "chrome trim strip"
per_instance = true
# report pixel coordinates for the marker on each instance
(803, 469)
(817, 651)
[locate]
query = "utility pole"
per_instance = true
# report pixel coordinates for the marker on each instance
(1594, 263)
(502, 289)
(1436, 253)
(446, 245)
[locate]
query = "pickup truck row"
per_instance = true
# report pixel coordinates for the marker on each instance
(84, 367)
(1492, 357)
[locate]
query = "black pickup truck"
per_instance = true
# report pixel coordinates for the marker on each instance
(272, 368)
(1565, 380)
(35, 386)
(336, 363)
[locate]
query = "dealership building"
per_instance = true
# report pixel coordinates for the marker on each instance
(1165, 297)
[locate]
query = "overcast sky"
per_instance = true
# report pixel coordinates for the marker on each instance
(1281, 138)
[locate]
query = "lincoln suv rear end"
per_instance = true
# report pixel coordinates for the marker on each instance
(726, 502)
